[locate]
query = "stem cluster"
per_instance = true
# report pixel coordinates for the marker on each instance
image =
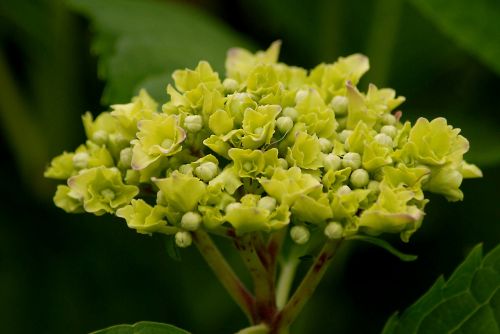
(268, 304)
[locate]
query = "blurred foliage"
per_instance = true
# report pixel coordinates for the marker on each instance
(74, 274)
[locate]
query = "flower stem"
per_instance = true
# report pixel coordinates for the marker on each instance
(285, 281)
(305, 289)
(263, 282)
(225, 274)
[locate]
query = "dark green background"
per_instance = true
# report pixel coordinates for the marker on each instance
(63, 273)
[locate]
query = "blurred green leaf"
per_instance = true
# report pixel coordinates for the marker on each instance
(467, 303)
(140, 43)
(385, 245)
(143, 327)
(472, 24)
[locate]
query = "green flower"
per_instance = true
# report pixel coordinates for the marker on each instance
(181, 192)
(145, 219)
(287, 185)
(435, 143)
(258, 126)
(392, 213)
(313, 207)
(159, 137)
(345, 204)
(128, 115)
(61, 167)
(252, 163)
(445, 181)
(314, 113)
(240, 62)
(101, 190)
(220, 122)
(188, 80)
(305, 152)
(227, 180)
(263, 82)
(408, 177)
(331, 79)
(67, 200)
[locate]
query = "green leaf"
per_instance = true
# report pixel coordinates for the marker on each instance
(467, 303)
(472, 24)
(140, 43)
(385, 245)
(143, 327)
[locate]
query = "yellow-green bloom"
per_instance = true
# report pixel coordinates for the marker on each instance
(146, 219)
(253, 163)
(159, 137)
(181, 192)
(305, 152)
(258, 126)
(128, 115)
(67, 200)
(101, 190)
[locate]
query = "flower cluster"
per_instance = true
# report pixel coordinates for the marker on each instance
(268, 147)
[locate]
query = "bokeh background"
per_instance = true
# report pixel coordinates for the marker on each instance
(63, 273)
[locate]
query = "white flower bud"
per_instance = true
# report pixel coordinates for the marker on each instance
(193, 123)
(100, 137)
(230, 85)
(332, 162)
(344, 190)
(389, 130)
(388, 119)
(267, 203)
(232, 206)
(284, 124)
(190, 221)
(301, 95)
(108, 194)
(384, 139)
(81, 160)
(300, 234)
(283, 163)
(126, 157)
(351, 159)
(206, 171)
(291, 112)
(186, 169)
(326, 145)
(339, 105)
(334, 231)
(183, 239)
(344, 135)
(359, 178)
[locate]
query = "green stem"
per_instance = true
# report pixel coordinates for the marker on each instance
(263, 283)
(225, 274)
(305, 290)
(287, 274)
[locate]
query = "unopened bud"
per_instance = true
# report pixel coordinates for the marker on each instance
(291, 112)
(100, 137)
(267, 203)
(332, 162)
(126, 157)
(183, 239)
(389, 130)
(344, 190)
(339, 105)
(359, 178)
(81, 160)
(351, 159)
(230, 85)
(383, 139)
(193, 123)
(388, 119)
(284, 124)
(334, 231)
(300, 234)
(206, 171)
(190, 221)
(326, 145)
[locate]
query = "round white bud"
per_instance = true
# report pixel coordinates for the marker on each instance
(301, 95)
(334, 231)
(183, 239)
(284, 124)
(193, 123)
(81, 160)
(267, 203)
(344, 190)
(383, 139)
(389, 130)
(339, 105)
(206, 171)
(344, 134)
(351, 159)
(300, 234)
(359, 178)
(291, 112)
(230, 85)
(283, 163)
(100, 137)
(190, 221)
(126, 157)
(325, 144)
(232, 206)
(186, 169)
(388, 119)
(332, 162)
